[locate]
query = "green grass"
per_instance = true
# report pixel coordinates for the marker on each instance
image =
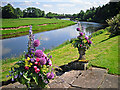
(103, 53)
(8, 23)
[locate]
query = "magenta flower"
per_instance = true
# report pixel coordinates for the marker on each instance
(90, 42)
(50, 75)
(86, 37)
(37, 59)
(38, 53)
(36, 43)
(80, 45)
(26, 67)
(37, 70)
(42, 61)
(78, 29)
(81, 34)
(35, 67)
(36, 63)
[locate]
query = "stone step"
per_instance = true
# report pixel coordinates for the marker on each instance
(90, 78)
(66, 79)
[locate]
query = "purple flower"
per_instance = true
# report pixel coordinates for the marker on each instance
(81, 34)
(42, 61)
(50, 56)
(7, 76)
(50, 75)
(78, 29)
(32, 60)
(86, 37)
(90, 42)
(12, 79)
(16, 76)
(36, 43)
(30, 31)
(43, 49)
(38, 53)
(20, 73)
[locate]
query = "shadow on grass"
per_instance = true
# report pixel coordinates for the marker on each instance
(74, 65)
(111, 36)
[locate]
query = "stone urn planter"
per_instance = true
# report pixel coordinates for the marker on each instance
(81, 54)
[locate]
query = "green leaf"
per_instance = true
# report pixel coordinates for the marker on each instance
(25, 76)
(35, 77)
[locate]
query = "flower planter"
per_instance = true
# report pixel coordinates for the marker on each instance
(81, 54)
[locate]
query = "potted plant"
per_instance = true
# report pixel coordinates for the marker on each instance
(82, 42)
(35, 68)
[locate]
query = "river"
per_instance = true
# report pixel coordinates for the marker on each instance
(14, 47)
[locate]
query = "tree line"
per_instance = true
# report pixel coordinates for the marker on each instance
(99, 14)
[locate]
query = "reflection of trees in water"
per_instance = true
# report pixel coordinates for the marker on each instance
(92, 29)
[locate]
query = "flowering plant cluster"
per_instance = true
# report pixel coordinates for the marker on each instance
(82, 42)
(35, 67)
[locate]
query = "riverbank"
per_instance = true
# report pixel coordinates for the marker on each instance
(19, 27)
(103, 53)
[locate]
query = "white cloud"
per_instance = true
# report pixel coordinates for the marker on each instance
(27, 3)
(65, 5)
(47, 5)
(37, 3)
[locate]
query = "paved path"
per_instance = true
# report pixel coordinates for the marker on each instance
(92, 78)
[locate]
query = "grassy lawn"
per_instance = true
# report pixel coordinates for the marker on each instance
(8, 23)
(103, 53)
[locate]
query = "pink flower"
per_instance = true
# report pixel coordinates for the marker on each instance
(26, 67)
(49, 62)
(38, 69)
(88, 41)
(80, 45)
(36, 43)
(42, 61)
(78, 29)
(50, 75)
(35, 67)
(81, 34)
(37, 59)
(36, 63)
(86, 37)
(38, 53)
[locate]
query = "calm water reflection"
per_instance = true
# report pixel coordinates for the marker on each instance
(49, 39)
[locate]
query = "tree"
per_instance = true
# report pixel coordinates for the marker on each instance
(8, 11)
(18, 13)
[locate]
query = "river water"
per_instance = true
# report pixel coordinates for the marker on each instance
(14, 47)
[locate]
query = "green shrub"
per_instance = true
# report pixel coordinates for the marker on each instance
(114, 24)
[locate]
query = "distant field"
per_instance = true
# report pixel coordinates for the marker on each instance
(51, 24)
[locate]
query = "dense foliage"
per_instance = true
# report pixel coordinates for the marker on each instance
(9, 11)
(99, 14)
(114, 24)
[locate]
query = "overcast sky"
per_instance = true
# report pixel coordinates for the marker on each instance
(57, 6)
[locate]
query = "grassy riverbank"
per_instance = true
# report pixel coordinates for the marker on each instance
(38, 25)
(103, 53)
